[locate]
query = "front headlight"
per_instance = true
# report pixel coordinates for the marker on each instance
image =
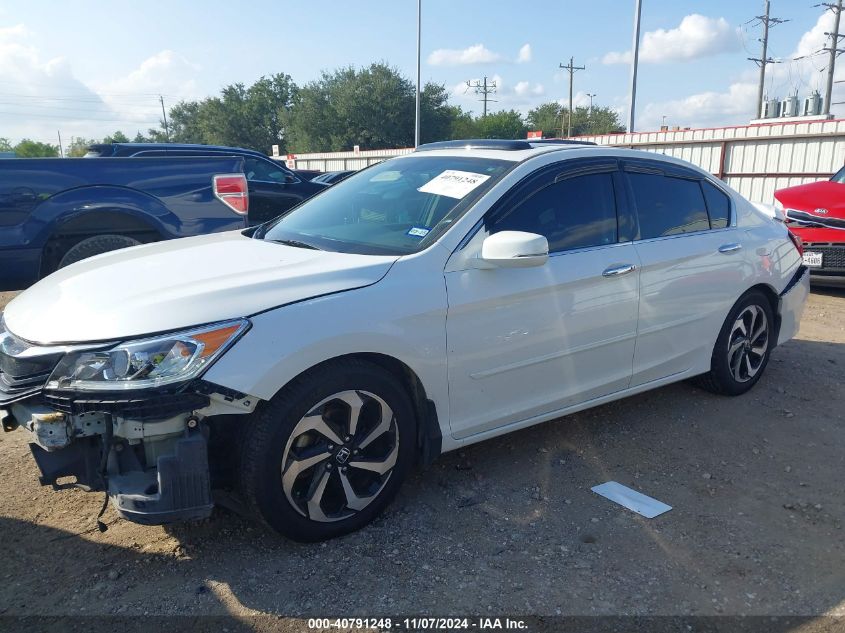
(142, 364)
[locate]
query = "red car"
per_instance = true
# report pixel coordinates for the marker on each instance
(815, 212)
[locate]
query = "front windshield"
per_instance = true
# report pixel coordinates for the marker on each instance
(394, 208)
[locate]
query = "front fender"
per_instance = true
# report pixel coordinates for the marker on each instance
(403, 316)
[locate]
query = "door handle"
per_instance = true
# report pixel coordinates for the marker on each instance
(615, 271)
(730, 248)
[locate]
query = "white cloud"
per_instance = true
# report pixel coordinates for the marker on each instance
(704, 109)
(525, 89)
(697, 36)
(165, 73)
(737, 104)
(475, 54)
(44, 95)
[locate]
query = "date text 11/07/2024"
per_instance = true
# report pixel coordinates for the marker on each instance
(419, 624)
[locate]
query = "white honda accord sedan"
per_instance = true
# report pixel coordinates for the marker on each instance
(431, 301)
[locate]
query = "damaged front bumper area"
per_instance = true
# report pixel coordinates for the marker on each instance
(147, 449)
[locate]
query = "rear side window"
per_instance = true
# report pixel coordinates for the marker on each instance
(576, 212)
(718, 205)
(667, 205)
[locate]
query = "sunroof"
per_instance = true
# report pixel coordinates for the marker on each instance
(482, 143)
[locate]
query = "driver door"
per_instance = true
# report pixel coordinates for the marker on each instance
(526, 342)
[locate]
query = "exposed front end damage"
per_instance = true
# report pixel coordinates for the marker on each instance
(147, 449)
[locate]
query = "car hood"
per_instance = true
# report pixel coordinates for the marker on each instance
(825, 194)
(180, 283)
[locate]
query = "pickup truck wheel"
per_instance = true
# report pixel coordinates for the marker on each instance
(327, 454)
(742, 350)
(95, 245)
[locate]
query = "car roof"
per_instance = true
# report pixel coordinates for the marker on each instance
(139, 147)
(519, 151)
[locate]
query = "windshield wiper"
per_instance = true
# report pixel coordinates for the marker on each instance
(297, 244)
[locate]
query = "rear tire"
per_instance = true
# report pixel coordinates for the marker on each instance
(742, 350)
(310, 472)
(95, 245)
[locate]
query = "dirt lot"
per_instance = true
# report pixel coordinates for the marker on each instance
(507, 526)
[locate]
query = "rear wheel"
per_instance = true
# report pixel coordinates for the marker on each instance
(742, 350)
(95, 245)
(326, 456)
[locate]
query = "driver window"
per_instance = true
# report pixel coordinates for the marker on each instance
(256, 169)
(576, 212)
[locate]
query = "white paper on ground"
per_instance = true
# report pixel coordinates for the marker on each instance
(453, 183)
(631, 499)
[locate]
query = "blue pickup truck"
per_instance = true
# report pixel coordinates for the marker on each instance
(56, 211)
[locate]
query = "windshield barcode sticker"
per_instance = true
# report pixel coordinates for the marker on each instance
(418, 231)
(453, 183)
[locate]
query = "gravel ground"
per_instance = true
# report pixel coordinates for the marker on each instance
(509, 525)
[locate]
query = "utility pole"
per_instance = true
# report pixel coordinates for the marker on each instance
(572, 68)
(834, 51)
(635, 60)
(763, 61)
(417, 116)
(484, 89)
(164, 114)
(61, 149)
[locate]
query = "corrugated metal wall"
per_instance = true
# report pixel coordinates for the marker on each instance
(340, 161)
(753, 159)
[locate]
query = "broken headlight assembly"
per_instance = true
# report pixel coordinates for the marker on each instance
(146, 363)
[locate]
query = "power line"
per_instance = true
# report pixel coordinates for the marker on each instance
(572, 68)
(484, 89)
(764, 60)
(69, 117)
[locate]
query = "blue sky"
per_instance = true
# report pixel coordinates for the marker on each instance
(90, 67)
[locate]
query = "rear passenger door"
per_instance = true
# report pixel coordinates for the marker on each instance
(693, 268)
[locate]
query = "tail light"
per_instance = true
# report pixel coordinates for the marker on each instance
(231, 190)
(799, 243)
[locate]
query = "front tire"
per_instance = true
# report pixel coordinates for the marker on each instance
(742, 350)
(95, 245)
(328, 453)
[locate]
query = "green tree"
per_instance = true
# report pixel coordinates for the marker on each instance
(372, 107)
(546, 117)
(79, 146)
(117, 137)
(502, 124)
(462, 125)
(33, 149)
(252, 117)
(5, 144)
(549, 117)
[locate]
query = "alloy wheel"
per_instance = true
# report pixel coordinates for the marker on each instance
(748, 343)
(340, 456)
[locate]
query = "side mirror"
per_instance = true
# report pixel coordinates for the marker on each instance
(515, 249)
(289, 179)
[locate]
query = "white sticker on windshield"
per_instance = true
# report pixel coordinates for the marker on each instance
(453, 183)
